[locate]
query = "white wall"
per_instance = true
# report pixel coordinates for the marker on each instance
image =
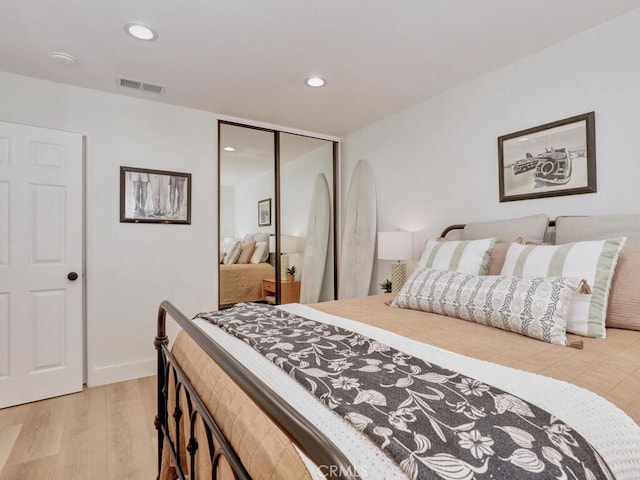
(131, 268)
(227, 211)
(248, 194)
(436, 163)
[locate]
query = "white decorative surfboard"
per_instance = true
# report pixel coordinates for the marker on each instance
(358, 235)
(316, 242)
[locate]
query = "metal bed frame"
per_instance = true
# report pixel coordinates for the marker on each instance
(300, 430)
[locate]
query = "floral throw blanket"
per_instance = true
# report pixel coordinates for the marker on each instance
(435, 423)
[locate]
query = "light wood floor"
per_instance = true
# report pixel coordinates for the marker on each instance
(102, 433)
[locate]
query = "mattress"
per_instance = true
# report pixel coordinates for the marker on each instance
(610, 368)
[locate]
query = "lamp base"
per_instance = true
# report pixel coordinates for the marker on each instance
(284, 265)
(398, 276)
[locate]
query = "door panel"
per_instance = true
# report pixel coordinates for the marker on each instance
(4, 224)
(4, 335)
(48, 211)
(40, 243)
(5, 143)
(48, 321)
(45, 155)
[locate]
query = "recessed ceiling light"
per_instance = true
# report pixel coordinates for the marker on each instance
(315, 82)
(63, 59)
(229, 149)
(141, 32)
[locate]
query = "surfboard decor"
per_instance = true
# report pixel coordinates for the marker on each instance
(316, 242)
(358, 235)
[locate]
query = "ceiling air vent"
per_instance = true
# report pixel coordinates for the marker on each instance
(138, 85)
(150, 87)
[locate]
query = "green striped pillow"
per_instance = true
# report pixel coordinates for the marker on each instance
(466, 256)
(593, 261)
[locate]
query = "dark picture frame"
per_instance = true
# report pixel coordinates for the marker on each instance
(557, 158)
(264, 213)
(154, 196)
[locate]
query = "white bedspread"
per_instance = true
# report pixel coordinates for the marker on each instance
(613, 433)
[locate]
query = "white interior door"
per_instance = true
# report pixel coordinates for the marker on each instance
(40, 245)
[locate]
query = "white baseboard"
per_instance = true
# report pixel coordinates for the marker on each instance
(121, 372)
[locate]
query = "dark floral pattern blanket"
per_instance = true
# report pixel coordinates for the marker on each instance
(435, 423)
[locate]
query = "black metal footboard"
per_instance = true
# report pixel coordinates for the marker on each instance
(331, 461)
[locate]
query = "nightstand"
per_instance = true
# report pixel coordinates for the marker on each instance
(289, 291)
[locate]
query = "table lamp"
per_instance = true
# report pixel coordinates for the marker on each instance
(396, 246)
(288, 244)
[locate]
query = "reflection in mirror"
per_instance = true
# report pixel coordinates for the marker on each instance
(247, 203)
(307, 216)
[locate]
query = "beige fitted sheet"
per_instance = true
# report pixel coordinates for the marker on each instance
(242, 282)
(609, 367)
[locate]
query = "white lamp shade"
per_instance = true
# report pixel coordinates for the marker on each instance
(395, 245)
(288, 244)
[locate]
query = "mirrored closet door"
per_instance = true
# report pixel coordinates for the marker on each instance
(276, 219)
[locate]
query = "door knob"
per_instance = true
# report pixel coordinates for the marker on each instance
(72, 276)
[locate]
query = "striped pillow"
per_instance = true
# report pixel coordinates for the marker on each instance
(535, 307)
(232, 253)
(593, 261)
(466, 256)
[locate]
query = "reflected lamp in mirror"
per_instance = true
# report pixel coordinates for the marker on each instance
(396, 246)
(288, 244)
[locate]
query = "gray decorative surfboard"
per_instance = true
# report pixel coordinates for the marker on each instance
(316, 242)
(358, 235)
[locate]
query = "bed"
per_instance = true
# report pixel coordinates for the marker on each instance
(243, 282)
(217, 416)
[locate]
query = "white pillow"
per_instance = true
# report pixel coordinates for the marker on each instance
(535, 307)
(259, 252)
(593, 261)
(466, 256)
(262, 237)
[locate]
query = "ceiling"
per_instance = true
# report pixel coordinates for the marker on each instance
(249, 58)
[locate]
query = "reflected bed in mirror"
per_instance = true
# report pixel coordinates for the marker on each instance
(246, 173)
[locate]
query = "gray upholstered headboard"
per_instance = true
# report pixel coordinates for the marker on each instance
(566, 228)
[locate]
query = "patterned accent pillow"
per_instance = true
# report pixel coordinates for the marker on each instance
(593, 261)
(535, 307)
(233, 252)
(467, 256)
